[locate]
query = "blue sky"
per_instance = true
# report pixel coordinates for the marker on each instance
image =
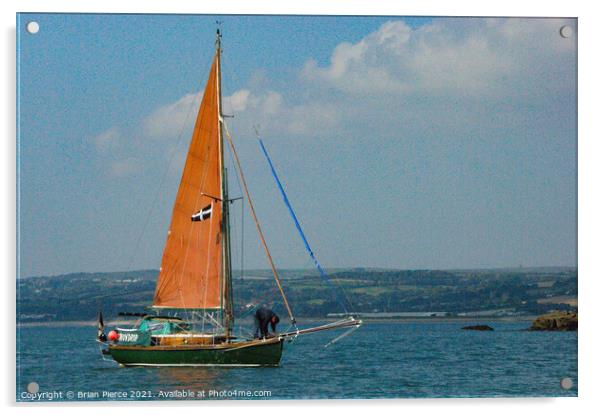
(402, 142)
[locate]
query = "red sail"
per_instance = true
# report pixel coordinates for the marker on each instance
(191, 273)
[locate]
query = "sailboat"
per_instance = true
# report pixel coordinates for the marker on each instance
(193, 320)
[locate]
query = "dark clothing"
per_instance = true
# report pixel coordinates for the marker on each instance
(263, 317)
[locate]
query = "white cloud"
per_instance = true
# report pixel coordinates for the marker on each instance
(168, 121)
(304, 119)
(483, 57)
(107, 140)
(443, 75)
(239, 100)
(446, 71)
(270, 110)
(271, 103)
(112, 150)
(446, 125)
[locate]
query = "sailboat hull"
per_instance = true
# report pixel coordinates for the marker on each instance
(249, 353)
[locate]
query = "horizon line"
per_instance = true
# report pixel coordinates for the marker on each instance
(455, 269)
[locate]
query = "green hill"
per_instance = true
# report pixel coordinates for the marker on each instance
(488, 292)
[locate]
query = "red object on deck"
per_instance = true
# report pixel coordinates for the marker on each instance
(113, 336)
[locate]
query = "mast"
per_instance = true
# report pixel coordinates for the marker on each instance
(226, 289)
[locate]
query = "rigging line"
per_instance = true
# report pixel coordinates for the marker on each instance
(235, 80)
(265, 297)
(234, 234)
(162, 182)
(347, 333)
(226, 259)
(242, 223)
(242, 239)
(165, 173)
(340, 289)
(349, 302)
(298, 226)
(233, 237)
(262, 300)
(209, 244)
(259, 231)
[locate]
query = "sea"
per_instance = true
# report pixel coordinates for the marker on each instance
(380, 360)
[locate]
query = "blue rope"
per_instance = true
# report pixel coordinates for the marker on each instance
(298, 225)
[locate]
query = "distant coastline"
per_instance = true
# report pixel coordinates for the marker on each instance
(248, 321)
(373, 294)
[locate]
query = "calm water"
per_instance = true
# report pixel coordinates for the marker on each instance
(380, 360)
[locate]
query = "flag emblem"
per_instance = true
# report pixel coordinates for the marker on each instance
(203, 214)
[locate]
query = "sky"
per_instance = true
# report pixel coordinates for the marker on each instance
(408, 143)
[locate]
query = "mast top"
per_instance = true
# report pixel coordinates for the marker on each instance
(218, 34)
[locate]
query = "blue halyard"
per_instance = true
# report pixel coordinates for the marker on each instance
(298, 226)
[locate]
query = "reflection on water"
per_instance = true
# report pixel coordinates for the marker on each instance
(195, 378)
(378, 361)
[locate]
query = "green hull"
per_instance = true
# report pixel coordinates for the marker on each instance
(254, 353)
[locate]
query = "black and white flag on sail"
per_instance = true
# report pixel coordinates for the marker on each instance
(202, 214)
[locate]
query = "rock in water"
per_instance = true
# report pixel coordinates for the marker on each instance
(556, 321)
(479, 327)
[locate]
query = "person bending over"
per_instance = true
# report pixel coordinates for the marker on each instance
(263, 317)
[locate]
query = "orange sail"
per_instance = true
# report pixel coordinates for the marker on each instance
(192, 271)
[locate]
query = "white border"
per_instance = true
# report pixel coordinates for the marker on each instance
(590, 206)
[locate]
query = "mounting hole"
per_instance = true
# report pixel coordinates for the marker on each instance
(566, 383)
(33, 387)
(566, 31)
(33, 27)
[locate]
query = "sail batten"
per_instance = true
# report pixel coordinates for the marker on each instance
(192, 272)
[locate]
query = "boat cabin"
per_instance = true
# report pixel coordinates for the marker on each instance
(164, 331)
(161, 325)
